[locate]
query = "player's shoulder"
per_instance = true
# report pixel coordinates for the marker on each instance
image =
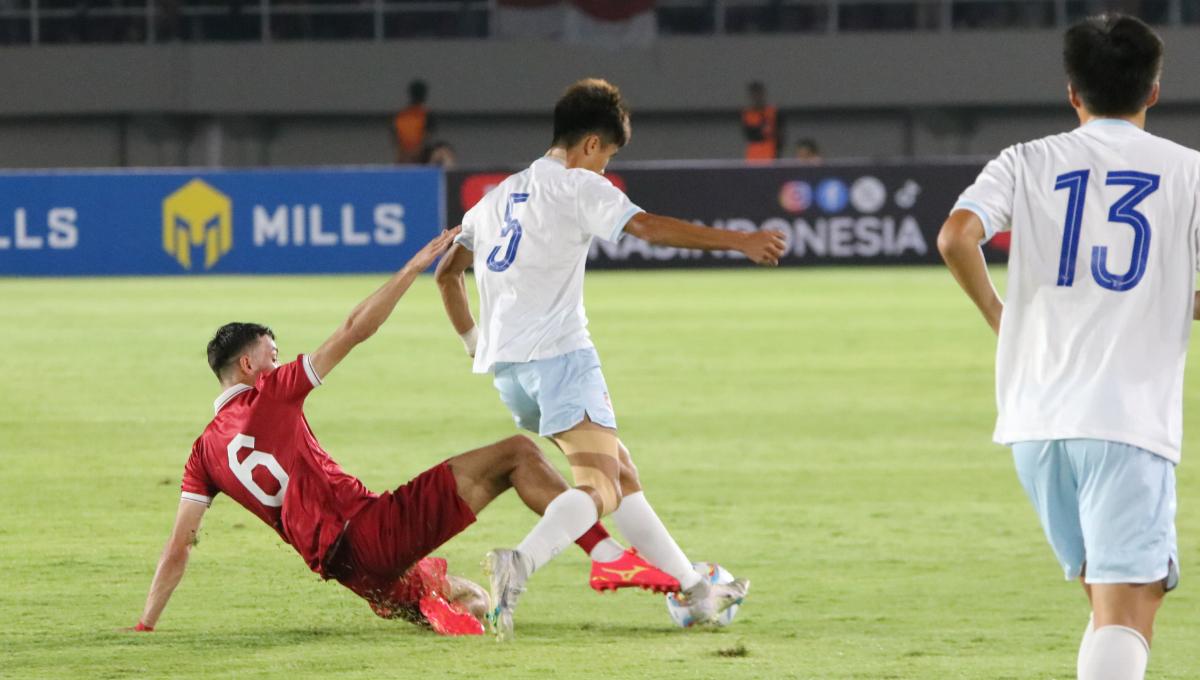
(495, 197)
(581, 177)
(282, 381)
(1041, 146)
(198, 445)
(207, 441)
(1168, 148)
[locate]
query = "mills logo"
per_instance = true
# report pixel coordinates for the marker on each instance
(197, 215)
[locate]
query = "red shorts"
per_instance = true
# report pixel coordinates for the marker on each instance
(378, 554)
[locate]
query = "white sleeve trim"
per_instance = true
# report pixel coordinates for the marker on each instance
(988, 230)
(633, 210)
(196, 498)
(310, 371)
(465, 241)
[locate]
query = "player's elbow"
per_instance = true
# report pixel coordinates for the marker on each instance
(358, 333)
(445, 276)
(950, 237)
(945, 240)
(962, 230)
(450, 269)
(176, 553)
(357, 329)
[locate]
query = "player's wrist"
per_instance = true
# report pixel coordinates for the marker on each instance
(470, 340)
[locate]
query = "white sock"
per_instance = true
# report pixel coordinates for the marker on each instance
(1083, 647)
(642, 528)
(607, 550)
(1116, 653)
(570, 514)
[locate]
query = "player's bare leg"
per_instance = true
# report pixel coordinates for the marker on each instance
(481, 476)
(514, 463)
(567, 513)
(613, 565)
(622, 567)
(1116, 644)
(598, 465)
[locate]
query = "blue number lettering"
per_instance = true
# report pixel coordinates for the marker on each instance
(1123, 212)
(1076, 185)
(511, 227)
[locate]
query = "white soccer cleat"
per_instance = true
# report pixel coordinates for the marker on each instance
(508, 572)
(706, 601)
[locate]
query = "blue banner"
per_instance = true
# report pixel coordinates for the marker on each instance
(221, 222)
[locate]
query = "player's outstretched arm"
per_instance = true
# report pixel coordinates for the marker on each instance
(453, 286)
(370, 314)
(958, 242)
(172, 563)
(762, 247)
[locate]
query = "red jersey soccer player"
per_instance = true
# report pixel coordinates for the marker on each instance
(260, 451)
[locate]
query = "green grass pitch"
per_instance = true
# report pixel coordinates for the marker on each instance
(823, 432)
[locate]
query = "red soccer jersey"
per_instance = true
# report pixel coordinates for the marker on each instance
(260, 451)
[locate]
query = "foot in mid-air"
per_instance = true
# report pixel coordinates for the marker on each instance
(706, 601)
(630, 570)
(508, 571)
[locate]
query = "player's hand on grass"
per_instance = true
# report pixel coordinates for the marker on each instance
(765, 247)
(139, 628)
(433, 250)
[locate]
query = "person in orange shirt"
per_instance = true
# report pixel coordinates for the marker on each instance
(761, 125)
(413, 124)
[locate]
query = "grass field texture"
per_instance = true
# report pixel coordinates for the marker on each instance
(825, 433)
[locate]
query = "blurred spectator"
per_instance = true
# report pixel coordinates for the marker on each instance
(760, 125)
(441, 154)
(808, 151)
(413, 124)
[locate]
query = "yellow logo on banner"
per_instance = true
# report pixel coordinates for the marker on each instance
(197, 215)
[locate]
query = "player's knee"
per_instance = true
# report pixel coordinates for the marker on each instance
(603, 488)
(523, 450)
(613, 501)
(629, 479)
(521, 445)
(630, 483)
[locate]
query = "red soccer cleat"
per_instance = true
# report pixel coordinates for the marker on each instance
(448, 619)
(631, 571)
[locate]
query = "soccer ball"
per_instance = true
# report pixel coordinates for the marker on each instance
(715, 573)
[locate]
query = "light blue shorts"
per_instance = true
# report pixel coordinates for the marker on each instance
(1105, 504)
(553, 395)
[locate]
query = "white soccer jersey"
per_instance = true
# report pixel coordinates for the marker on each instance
(531, 236)
(1101, 277)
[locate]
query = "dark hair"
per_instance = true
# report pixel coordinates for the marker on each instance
(591, 106)
(230, 341)
(807, 143)
(418, 90)
(756, 86)
(1112, 62)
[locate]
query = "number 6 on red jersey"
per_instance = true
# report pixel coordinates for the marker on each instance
(244, 470)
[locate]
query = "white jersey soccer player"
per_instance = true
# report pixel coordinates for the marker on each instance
(528, 240)
(549, 214)
(1105, 224)
(1100, 285)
